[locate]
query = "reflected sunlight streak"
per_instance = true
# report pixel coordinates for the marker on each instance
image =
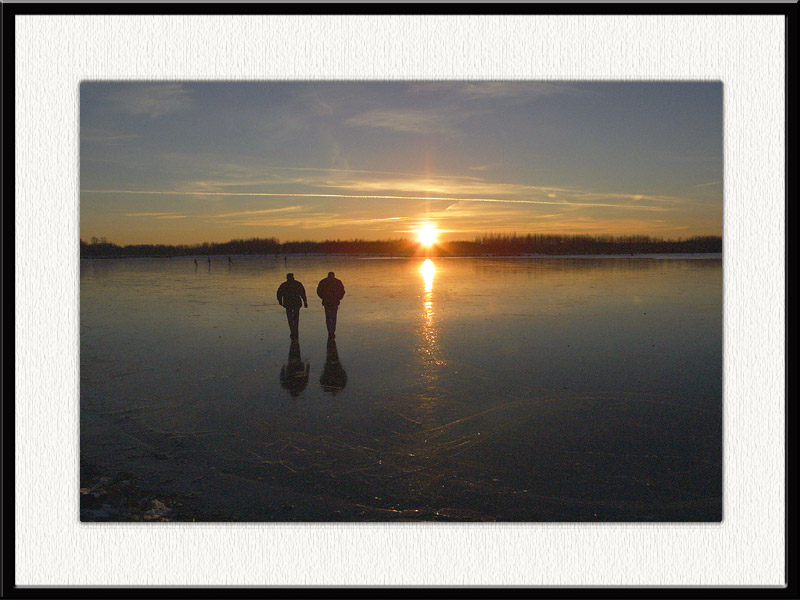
(428, 269)
(431, 347)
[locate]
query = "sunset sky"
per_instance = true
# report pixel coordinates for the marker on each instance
(183, 163)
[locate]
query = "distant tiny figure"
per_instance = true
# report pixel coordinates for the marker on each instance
(285, 260)
(209, 263)
(333, 378)
(195, 264)
(331, 290)
(230, 262)
(294, 374)
(291, 294)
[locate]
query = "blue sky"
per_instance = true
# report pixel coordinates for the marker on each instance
(174, 162)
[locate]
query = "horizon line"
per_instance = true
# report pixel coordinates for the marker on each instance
(512, 236)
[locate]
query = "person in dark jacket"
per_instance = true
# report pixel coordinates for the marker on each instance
(331, 290)
(291, 294)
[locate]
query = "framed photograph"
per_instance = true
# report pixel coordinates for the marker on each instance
(391, 301)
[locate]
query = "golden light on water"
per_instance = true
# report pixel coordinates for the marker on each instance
(428, 235)
(428, 349)
(428, 270)
(430, 346)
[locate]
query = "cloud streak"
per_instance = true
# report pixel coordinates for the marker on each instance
(497, 90)
(418, 121)
(153, 100)
(107, 138)
(411, 185)
(375, 197)
(259, 212)
(377, 183)
(708, 184)
(157, 215)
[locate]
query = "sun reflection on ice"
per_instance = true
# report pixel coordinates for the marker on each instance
(430, 347)
(429, 354)
(428, 270)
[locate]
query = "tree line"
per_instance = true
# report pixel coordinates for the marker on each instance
(483, 245)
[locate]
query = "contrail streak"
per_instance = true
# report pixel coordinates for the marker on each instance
(375, 197)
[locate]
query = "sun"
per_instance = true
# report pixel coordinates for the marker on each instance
(428, 235)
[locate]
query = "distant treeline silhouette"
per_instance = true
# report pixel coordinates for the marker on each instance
(489, 244)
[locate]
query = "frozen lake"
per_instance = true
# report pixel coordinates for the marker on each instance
(521, 389)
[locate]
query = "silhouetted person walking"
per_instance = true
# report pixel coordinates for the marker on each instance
(331, 290)
(333, 378)
(291, 295)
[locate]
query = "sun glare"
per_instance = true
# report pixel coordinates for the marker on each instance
(428, 235)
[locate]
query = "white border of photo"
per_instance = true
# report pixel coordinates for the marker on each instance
(55, 53)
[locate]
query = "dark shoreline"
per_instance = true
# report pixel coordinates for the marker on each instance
(676, 255)
(487, 245)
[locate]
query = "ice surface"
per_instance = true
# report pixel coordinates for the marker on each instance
(478, 389)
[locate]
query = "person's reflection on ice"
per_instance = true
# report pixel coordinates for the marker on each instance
(294, 374)
(333, 378)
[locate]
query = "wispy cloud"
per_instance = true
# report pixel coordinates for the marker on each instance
(232, 175)
(562, 203)
(153, 100)
(245, 177)
(156, 215)
(371, 172)
(317, 220)
(458, 187)
(283, 209)
(419, 121)
(477, 189)
(107, 138)
(148, 214)
(484, 167)
(497, 90)
(463, 97)
(710, 183)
